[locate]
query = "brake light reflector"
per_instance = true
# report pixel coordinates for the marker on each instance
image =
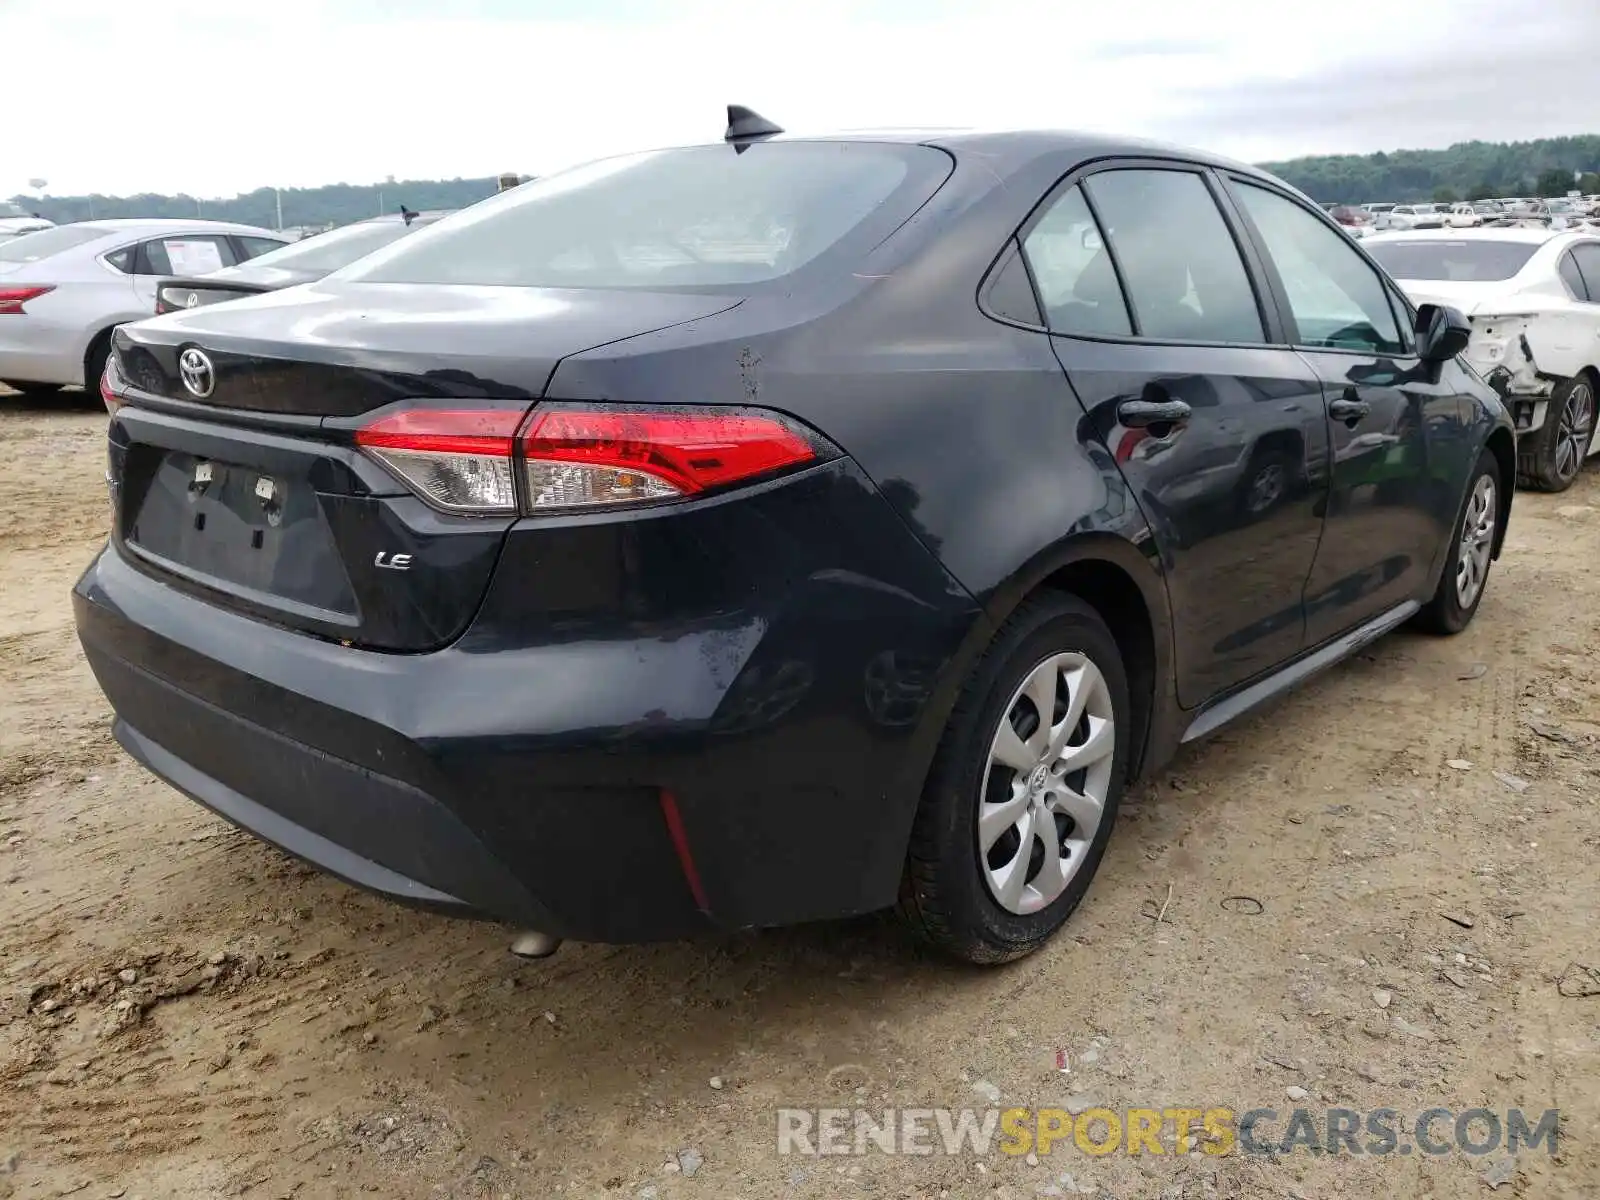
(584, 458)
(459, 461)
(111, 386)
(13, 298)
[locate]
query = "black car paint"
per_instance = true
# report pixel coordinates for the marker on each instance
(781, 660)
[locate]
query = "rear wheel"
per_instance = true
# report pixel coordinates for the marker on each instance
(1550, 458)
(94, 363)
(1024, 789)
(1268, 479)
(30, 389)
(1466, 574)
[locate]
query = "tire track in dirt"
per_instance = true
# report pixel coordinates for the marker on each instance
(346, 1045)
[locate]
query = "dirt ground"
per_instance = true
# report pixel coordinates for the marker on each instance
(185, 1012)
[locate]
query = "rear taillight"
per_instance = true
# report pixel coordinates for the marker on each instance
(13, 298)
(458, 460)
(585, 458)
(111, 386)
(574, 458)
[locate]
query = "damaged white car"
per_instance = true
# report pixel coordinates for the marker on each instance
(1533, 298)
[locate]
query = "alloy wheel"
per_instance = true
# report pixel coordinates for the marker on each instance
(1477, 541)
(1267, 487)
(1575, 430)
(1046, 782)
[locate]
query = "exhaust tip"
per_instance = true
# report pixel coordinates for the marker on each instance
(530, 943)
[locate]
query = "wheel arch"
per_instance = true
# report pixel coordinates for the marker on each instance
(1123, 583)
(95, 342)
(1593, 373)
(1503, 445)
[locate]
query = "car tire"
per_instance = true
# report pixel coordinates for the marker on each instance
(1270, 477)
(967, 898)
(30, 389)
(1549, 459)
(94, 362)
(1471, 553)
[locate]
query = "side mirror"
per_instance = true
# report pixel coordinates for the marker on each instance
(1442, 332)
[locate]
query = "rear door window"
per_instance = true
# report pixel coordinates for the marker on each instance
(1588, 257)
(1185, 278)
(1072, 271)
(1337, 299)
(184, 255)
(1573, 277)
(249, 247)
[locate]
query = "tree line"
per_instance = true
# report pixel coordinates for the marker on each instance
(1465, 171)
(335, 204)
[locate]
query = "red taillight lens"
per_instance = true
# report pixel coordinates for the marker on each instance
(458, 460)
(466, 460)
(13, 298)
(111, 386)
(582, 458)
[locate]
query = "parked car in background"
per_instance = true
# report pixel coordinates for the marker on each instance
(63, 290)
(1357, 222)
(1566, 214)
(300, 262)
(16, 221)
(1416, 216)
(1380, 214)
(1463, 216)
(1533, 299)
(693, 540)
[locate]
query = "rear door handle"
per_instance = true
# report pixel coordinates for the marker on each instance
(1141, 414)
(1348, 409)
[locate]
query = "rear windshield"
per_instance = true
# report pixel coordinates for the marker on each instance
(1474, 261)
(700, 217)
(31, 247)
(332, 250)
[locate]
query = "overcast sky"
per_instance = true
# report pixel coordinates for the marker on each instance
(214, 97)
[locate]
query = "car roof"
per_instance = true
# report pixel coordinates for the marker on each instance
(1013, 147)
(157, 224)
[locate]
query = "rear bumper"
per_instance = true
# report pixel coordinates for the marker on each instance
(35, 349)
(519, 774)
(35, 366)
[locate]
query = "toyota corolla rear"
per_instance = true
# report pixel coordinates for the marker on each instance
(389, 588)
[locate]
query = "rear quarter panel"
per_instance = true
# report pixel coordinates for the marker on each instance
(967, 426)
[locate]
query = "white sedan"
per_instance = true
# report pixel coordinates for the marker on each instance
(16, 221)
(63, 290)
(1533, 298)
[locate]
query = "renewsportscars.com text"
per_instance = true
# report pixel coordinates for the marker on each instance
(1173, 1130)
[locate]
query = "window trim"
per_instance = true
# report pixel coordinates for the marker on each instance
(1010, 252)
(1290, 327)
(1267, 304)
(1582, 274)
(104, 256)
(1405, 315)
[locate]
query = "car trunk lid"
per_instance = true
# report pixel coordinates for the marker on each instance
(339, 350)
(238, 478)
